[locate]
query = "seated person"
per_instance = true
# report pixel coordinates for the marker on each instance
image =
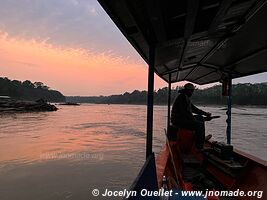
(182, 115)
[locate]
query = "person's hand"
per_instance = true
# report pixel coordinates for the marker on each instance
(208, 114)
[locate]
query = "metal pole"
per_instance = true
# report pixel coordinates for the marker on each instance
(169, 103)
(150, 101)
(229, 111)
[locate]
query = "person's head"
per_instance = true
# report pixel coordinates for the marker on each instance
(189, 89)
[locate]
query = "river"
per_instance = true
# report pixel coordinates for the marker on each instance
(68, 153)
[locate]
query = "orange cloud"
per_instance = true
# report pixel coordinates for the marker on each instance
(72, 71)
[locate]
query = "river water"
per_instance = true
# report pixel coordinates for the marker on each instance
(68, 153)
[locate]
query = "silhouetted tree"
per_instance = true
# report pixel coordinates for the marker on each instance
(27, 90)
(243, 94)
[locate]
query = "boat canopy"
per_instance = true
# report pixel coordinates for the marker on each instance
(201, 41)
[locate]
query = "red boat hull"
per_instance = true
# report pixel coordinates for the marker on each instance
(251, 175)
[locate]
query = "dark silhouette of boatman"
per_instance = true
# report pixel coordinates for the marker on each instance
(182, 115)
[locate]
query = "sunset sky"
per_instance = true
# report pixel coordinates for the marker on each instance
(71, 46)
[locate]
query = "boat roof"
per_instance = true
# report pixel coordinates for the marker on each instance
(201, 41)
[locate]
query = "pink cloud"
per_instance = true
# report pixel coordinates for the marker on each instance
(72, 71)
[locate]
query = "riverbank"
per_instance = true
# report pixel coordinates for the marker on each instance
(12, 105)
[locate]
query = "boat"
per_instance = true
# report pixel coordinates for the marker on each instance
(69, 104)
(200, 41)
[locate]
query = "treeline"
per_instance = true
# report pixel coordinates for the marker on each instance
(243, 94)
(26, 90)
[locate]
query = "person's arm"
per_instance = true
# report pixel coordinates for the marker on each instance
(198, 111)
(186, 107)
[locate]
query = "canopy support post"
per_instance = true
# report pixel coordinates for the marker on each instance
(150, 101)
(169, 103)
(229, 111)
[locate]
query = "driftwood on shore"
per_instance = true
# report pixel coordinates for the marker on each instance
(11, 105)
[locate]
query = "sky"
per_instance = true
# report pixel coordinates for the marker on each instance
(71, 46)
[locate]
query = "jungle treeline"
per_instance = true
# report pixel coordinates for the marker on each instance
(26, 90)
(243, 94)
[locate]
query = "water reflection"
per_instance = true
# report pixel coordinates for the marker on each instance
(65, 154)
